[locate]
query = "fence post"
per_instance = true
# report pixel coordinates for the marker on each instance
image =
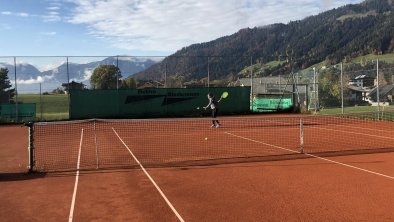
(251, 82)
(280, 84)
(208, 71)
(117, 73)
(68, 75)
(342, 88)
(41, 103)
(377, 86)
(165, 75)
(314, 88)
(68, 88)
(16, 92)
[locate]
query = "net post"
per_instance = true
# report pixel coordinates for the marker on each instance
(31, 146)
(96, 145)
(301, 135)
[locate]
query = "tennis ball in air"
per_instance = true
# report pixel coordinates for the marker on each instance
(206, 138)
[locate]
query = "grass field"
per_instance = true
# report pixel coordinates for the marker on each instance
(389, 58)
(354, 109)
(48, 107)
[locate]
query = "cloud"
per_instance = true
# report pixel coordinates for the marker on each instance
(52, 8)
(19, 14)
(51, 18)
(171, 25)
(38, 79)
(48, 33)
(53, 12)
(22, 14)
(87, 74)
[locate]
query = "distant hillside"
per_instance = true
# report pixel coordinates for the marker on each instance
(81, 72)
(330, 37)
(24, 71)
(77, 71)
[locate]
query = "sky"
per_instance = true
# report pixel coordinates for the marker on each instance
(137, 27)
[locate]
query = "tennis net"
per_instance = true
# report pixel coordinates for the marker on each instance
(102, 144)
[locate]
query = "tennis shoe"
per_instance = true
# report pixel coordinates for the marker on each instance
(217, 125)
(213, 126)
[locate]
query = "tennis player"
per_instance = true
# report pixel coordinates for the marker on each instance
(214, 104)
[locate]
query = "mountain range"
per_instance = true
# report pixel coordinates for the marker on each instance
(79, 72)
(332, 36)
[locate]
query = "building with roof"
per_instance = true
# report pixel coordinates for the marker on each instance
(73, 86)
(362, 81)
(358, 93)
(360, 87)
(386, 94)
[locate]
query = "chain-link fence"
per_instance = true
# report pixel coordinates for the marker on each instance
(365, 84)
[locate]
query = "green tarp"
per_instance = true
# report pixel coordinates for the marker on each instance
(270, 104)
(146, 103)
(26, 112)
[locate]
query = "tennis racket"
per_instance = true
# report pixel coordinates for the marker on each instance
(224, 95)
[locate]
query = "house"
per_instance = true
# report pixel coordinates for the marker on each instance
(195, 84)
(360, 87)
(73, 86)
(362, 81)
(149, 84)
(386, 94)
(358, 93)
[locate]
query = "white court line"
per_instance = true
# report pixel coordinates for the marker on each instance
(151, 179)
(70, 217)
(314, 156)
(357, 133)
(357, 127)
(267, 144)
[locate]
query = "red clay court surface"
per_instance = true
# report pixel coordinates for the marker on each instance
(335, 188)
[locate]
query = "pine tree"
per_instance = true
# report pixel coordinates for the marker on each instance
(6, 93)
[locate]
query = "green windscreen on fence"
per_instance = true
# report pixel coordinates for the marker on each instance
(146, 103)
(26, 112)
(270, 104)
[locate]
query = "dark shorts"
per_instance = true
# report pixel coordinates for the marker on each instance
(214, 113)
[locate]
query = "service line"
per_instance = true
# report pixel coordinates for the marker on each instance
(314, 156)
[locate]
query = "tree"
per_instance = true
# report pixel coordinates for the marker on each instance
(176, 81)
(105, 77)
(129, 83)
(219, 83)
(58, 90)
(329, 89)
(6, 93)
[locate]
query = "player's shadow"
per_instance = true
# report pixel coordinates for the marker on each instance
(4, 177)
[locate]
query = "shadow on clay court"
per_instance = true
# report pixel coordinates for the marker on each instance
(4, 177)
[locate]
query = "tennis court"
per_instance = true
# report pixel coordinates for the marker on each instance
(270, 168)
